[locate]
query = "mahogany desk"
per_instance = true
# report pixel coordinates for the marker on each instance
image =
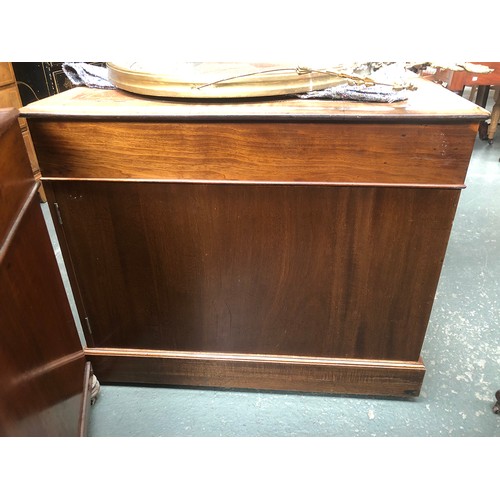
(278, 244)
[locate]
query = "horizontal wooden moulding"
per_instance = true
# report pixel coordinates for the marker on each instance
(264, 372)
(274, 183)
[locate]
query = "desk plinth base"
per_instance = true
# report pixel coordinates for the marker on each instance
(264, 372)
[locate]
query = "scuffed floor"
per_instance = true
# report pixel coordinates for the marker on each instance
(461, 353)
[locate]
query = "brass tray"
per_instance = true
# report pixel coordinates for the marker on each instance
(220, 80)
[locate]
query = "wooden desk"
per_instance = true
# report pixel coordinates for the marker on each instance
(271, 244)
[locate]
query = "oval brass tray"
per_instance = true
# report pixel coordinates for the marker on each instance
(219, 80)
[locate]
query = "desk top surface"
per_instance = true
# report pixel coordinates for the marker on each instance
(429, 102)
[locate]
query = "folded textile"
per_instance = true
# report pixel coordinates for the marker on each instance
(346, 92)
(89, 75)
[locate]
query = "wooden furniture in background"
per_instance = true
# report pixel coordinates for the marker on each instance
(43, 373)
(270, 244)
(9, 98)
(457, 80)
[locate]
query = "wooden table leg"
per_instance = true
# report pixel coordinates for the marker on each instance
(495, 116)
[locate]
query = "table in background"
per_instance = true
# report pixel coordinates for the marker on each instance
(457, 80)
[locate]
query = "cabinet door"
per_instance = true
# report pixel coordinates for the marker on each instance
(326, 271)
(44, 378)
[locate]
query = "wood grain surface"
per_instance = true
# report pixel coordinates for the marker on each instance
(256, 152)
(430, 102)
(16, 179)
(297, 270)
(41, 358)
(339, 376)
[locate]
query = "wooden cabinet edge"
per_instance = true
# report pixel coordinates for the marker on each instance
(9, 84)
(28, 143)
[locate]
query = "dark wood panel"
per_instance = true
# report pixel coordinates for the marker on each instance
(259, 372)
(41, 359)
(295, 270)
(259, 152)
(16, 178)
